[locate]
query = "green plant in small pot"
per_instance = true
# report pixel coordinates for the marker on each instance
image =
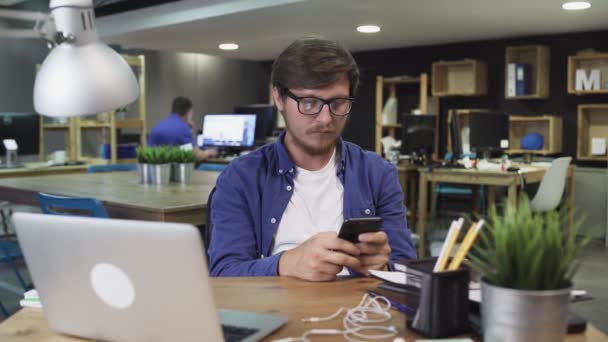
(158, 161)
(527, 260)
(182, 165)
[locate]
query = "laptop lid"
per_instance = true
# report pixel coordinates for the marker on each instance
(120, 280)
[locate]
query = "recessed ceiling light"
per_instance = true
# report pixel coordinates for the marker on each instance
(576, 5)
(228, 46)
(368, 28)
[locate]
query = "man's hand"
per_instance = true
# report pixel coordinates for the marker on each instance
(375, 252)
(319, 258)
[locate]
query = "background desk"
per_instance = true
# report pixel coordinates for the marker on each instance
(37, 169)
(492, 179)
(274, 295)
(121, 194)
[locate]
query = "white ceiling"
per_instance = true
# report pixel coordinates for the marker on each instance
(263, 28)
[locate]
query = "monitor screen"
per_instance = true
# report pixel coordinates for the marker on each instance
(266, 118)
(24, 128)
(228, 130)
(489, 131)
(418, 134)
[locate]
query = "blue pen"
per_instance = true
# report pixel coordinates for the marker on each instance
(401, 307)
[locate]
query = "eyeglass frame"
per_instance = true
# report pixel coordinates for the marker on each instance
(296, 98)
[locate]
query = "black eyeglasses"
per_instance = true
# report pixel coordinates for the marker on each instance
(339, 106)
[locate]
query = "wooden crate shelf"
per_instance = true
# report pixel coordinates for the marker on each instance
(538, 57)
(460, 78)
(592, 123)
(587, 62)
(549, 126)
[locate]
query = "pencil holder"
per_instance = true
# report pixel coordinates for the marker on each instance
(444, 299)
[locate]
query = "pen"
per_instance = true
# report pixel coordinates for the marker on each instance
(466, 245)
(401, 307)
(448, 245)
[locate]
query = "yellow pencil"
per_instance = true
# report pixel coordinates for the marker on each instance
(466, 245)
(448, 244)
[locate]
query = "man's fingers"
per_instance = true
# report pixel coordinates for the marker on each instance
(338, 244)
(378, 238)
(342, 259)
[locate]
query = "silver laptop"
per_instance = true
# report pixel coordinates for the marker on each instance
(124, 280)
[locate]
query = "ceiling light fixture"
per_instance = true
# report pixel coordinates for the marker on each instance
(368, 28)
(228, 46)
(576, 5)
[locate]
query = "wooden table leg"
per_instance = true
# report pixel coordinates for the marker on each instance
(491, 202)
(512, 194)
(422, 212)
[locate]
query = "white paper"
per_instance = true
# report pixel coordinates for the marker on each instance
(391, 277)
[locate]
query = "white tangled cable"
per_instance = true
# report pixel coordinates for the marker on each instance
(359, 322)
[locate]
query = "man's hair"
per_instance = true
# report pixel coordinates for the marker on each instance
(181, 105)
(314, 63)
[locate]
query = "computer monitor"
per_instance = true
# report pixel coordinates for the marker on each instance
(489, 132)
(24, 128)
(228, 130)
(418, 136)
(266, 119)
(456, 136)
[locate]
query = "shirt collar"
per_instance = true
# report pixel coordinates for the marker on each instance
(286, 165)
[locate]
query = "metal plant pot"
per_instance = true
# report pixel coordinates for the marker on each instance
(523, 316)
(161, 173)
(182, 172)
(144, 171)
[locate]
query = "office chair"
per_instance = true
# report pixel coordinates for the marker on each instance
(111, 168)
(451, 190)
(80, 206)
(9, 247)
(211, 167)
(551, 188)
(208, 223)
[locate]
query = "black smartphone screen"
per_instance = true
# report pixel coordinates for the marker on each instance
(352, 228)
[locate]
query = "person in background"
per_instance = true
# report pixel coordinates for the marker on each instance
(277, 210)
(176, 130)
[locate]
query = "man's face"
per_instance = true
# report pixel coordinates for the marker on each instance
(315, 134)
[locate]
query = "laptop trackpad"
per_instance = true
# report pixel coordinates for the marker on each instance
(248, 326)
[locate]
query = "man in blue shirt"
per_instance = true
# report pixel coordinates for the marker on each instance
(277, 210)
(176, 130)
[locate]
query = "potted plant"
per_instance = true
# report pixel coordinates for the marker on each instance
(527, 260)
(143, 167)
(182, 165)
(121, 113)
(158, 161)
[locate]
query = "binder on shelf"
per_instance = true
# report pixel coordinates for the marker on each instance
(511, 79)
(523, 76)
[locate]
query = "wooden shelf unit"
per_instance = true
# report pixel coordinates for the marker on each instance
(587, 62)
(391, 84)
(549, 126)
(107, 121)
(538, 57)
(592, 123)
(467, 77)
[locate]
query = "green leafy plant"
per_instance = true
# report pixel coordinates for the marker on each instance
(183, 156)
(154, 155)
(527, 250)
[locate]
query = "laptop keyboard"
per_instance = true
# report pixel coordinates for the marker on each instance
(235, 334)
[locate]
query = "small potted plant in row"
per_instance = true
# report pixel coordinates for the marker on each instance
(154, 164)
(182, 165)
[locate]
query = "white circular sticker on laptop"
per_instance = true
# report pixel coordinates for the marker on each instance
(112, 286)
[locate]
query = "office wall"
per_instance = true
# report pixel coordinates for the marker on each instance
(413, 61)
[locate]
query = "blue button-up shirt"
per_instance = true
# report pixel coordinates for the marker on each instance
(171, 131)
(254, 190)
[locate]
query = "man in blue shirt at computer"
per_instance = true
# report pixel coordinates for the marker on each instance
(277, 210)
(176, 129)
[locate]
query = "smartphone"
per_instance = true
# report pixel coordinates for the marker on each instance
(352, 228)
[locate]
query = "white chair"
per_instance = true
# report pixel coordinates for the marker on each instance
(551, 189)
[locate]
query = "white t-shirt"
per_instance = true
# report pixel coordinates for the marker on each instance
(315, 206)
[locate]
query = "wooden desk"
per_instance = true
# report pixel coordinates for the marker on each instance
(38, 169)
(274, 295)
(120, 194)
(492, 179)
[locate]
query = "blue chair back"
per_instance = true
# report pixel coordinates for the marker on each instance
(59, 205)
(111, 167)
(211, 167)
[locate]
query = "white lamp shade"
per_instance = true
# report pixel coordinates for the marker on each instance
(79, 80)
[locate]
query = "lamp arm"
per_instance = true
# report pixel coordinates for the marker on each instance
(44, 25)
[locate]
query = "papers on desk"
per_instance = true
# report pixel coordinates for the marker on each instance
(31, 300)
